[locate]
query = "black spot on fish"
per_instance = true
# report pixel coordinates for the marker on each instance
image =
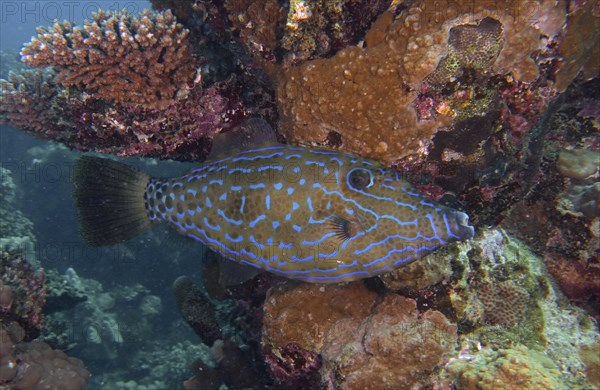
(179, 208)
(169, 203)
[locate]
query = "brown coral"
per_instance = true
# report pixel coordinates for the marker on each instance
(504, 303)
(26, 101)
(363, 95)
(141, 60)
(364, 342)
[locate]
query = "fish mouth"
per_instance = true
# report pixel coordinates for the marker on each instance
(459, 225)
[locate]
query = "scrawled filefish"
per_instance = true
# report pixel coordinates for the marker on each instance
(311, 214)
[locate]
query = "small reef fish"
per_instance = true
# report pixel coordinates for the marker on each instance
(316, 215)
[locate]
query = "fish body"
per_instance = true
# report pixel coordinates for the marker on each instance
(310, 214)
(304, 213)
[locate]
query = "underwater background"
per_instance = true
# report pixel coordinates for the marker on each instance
(492, 108)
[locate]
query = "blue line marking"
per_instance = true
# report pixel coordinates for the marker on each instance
(236, 222)
(256, 186)
(191, 213)
(268, 201)
(207, 202)
(236, 188)
(256, 243)
(239, 238)
(278, 186)
(299, 260)
(320, 240)
(274, 147)
(216, 181)
(448, 229)
(309, 203)
(301, 182)
(276, 167)
(243, 204)
(297, 228)
(261, 157)
(275, 224)
(216, 228)
(290, 191)
(257, 220)
(288, 216)
(295, 206)
(355, 262)
(223, 196)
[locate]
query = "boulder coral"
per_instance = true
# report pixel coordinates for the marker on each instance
(363, 341)
(370, 89)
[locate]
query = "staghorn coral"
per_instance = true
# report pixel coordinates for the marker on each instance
(143, 60)
(504, 303)
(363, 341)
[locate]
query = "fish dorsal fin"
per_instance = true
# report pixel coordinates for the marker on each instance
(253, 131)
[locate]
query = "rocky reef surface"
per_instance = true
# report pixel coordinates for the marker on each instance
(487, 106)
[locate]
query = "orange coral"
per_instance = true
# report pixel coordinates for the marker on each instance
(141, 60)
(363, 96)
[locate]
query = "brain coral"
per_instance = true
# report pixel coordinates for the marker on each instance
(142, 60)
(504, 303)
(361, 99)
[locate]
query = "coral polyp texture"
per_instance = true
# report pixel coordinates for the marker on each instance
(351, 338)
(366, 94)
(140, 60)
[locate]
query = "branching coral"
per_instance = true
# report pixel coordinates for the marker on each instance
(26, 101)
(143, 60)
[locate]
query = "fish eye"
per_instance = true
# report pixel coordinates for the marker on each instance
(359, 178)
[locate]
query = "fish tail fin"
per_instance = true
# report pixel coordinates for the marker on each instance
(109, 197)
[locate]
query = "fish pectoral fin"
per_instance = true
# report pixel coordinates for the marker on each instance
(343, 227)
(232, 273)
(254, 131)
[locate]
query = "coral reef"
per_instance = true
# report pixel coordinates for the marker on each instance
(137, 60)
(353, 332)
(515, 368)
(504, 303)
(17, 230)
(29, 364)
(558, 216)
(371, 90)
(197, 310)
(27, 292)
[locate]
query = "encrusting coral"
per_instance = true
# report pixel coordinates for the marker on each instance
(363, 341)
(144, 60)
